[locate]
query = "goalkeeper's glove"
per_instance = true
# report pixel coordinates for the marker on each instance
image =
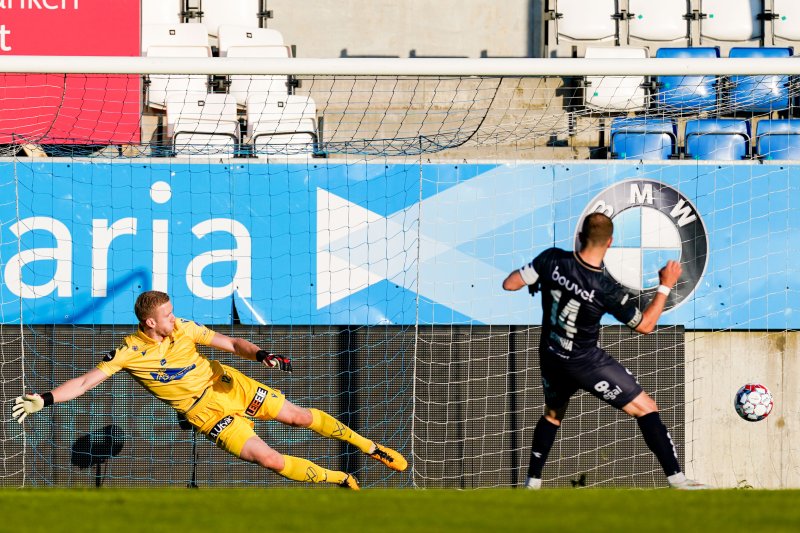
(27, 404)
(271, 360)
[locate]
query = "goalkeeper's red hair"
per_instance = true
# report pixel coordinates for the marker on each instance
(147, 303)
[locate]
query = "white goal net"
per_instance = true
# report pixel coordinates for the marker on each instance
(362, 222)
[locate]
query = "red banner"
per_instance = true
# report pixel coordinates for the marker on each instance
(73, 109)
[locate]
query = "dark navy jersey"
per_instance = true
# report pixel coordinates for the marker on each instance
(575, 296)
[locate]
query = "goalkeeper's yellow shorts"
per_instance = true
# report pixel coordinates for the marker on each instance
(222, 412)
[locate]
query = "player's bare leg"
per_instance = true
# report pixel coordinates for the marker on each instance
(658, 439)
(544, 435)
(257, 451)
(327, 426)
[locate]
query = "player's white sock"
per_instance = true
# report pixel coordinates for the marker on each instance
(533, 483)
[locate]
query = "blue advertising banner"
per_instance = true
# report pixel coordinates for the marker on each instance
(339, 243)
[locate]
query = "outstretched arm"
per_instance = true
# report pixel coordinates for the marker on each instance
(248, 350)
(240, 347)
(30, 403)
(523, 277)
(668, 277)
(69, 390)
(514, 281)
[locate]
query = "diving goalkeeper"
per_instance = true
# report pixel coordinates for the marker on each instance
(217, 400)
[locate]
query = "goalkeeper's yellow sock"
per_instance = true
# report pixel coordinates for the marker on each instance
(299, 469)
(327, 426)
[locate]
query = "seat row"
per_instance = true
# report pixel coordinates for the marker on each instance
(212, 13)
(206, 124)
(704, 139)
(571, 25)
(747, 94)
(190, 40)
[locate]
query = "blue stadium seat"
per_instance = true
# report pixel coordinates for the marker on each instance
(696, 92)
(643, 138)
(719, 139)
(778, 139)
(759, 94)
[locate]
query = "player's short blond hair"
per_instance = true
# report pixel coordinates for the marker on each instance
(147, 302)
(597, 229)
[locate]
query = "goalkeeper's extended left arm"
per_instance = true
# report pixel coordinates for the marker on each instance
(30, 403)
(248, 350)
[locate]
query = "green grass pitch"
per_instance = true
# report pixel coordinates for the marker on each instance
(403, 510)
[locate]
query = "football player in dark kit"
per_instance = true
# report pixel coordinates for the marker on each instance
(576, 293)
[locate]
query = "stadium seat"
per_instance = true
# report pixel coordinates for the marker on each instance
(643, 138)
(218, 13)
(238, 36)
(778, 139)
(581, 22)
(717, 139)
(201, 124)
(661, 21)
(786, 21)
(687, 92)
(255, 88)
(174, 40)
(160, 12)
(284, 126)
(759, 94)
(615, 93)
(173, 35)
(730, 22)
(162, 86)
(239, 41)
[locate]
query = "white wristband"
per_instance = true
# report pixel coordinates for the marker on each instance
(663, 289)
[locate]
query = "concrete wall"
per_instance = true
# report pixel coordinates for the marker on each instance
(468, 28)
(721, 448)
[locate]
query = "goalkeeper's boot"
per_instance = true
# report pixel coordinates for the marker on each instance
(350, 482)
(389, 457)
(689, 484)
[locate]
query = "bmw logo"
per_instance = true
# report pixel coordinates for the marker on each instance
(653, 223)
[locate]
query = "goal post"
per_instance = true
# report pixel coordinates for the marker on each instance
(360, 215)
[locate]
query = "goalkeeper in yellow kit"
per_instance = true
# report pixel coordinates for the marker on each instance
(216, 399)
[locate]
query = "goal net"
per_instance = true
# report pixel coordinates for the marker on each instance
(363, 223)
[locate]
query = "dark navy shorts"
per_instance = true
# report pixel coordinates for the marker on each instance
(595, 372)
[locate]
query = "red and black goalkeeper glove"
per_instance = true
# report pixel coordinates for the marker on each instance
(271, 360)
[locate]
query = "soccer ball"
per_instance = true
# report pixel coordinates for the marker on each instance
(753, 402)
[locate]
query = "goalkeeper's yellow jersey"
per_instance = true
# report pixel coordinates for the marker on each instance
(172, 370)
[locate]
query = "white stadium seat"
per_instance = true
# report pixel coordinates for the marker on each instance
(580, 20)
(240, 41)
(657, 21)
(230, 36)
(285, 126)
(189, 34)
(174, 40)
(162, 86)
(258, 88)
(786, 27)
(615, 93)
(730, 21)
(160, 12)
(202, 124)
(217, 13)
